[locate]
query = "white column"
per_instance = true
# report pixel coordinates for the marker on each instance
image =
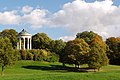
(24, 43)
(28, 43)
(17, 43)
(20, 43)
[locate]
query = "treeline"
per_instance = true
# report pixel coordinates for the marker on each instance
(86, 48)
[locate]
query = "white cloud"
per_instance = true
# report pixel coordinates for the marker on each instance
(36, 18)
(26, 9)
(9, 17)
(67, 38)
(100, 16)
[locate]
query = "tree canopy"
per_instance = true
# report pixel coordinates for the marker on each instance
(7, 55)
(76, 52)
(41, 41)
(11, 34)
(57, 46)
(114, 52)
(97, 55)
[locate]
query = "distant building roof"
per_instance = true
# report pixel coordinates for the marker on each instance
(24, 33)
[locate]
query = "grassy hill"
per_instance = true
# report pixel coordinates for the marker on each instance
(31, 70)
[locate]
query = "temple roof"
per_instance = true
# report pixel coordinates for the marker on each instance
(24, 33)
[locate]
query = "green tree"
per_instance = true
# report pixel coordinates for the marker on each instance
(57, 46)
(76, 52)
(114, 52)
(41, 41)
(87, 36)
(97, 55)
(8, 56)
(11, 34)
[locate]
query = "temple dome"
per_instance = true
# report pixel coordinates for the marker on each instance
(24, 33)
(22, 43)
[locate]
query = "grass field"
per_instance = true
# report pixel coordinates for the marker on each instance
(30, 70)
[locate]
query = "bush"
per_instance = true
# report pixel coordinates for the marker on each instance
(38, 55)
(52, 57)
(33, 51)
(23, 54)
(29, 56)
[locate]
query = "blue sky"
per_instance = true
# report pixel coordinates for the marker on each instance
(60, 18)
(51, 5)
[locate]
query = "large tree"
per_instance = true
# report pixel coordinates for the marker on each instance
(11, 34)
(97, 56)
(41, 41)
(114, 52)
(8, 55)
(76, 52)
(57, 46)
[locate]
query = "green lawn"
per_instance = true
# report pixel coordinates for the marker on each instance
(30, 70)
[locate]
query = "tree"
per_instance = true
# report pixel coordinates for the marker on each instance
(11, 34)
(57, 46)
(97, 55)
(8, 56)
(114, 52)
(76, 52)
(41, 41)
(87, 36)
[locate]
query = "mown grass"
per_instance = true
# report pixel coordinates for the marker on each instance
(33, 70)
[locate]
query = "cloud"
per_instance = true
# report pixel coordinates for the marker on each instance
(100, 16)
(26, 15)
(9, 17)
(26, 9)
(67, 38)
(36, 18)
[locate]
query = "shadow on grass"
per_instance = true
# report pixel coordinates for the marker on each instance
(56, 68)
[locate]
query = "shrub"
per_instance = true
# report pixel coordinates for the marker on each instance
(38, 55)
(33, 51)
(52, 57)
(23, 54)
(29, 56)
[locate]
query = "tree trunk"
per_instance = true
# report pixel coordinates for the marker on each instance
(78, 66)
(94, 70)
(63, 64)
(99, 69)
(75, 66)
(2, 73)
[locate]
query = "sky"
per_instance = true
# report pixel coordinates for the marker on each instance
(61, 19)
